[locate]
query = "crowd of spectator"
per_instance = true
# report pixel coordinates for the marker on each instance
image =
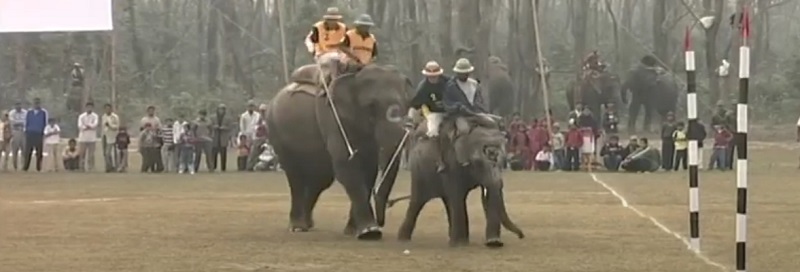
(542, 145)
(177, 145)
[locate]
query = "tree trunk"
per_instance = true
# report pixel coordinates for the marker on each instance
(138, 51)
(20, 67)
(580, 9)
(660, 34)
(212, 54)
(446, 36)
(233, 43)
(416, 54)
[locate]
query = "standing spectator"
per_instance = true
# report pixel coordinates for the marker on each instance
(5, 139)
(520, 146)
(220, 137)
(149, 147)
(111, 124)
(559, 153)
(243, 152)
(178, 128)
(731, 126)
(573, 115)
(539, 137)
(168, 154)
(667, 142)
(71, 156)
(35, 122)
(798, 134)
(543, 159)
(574, 141)
(52, 140)
(612, 153)
(259, 137)
(150, 118)
(699, 134)
(122, 142)
(587, 147)
(87, 137)
(186, 147)
(681, 146)
(202, 132)
(248, 121)
(17, 118)
(720, 116)
(722, 139)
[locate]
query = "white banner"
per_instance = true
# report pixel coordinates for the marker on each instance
(55, 15)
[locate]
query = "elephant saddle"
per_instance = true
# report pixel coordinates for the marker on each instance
(312, 74)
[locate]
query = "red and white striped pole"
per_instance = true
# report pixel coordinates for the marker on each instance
(741, 146)
(691, 114)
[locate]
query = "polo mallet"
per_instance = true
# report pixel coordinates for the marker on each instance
(328, 94)
(391, 162)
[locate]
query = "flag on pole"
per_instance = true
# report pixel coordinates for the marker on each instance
(745, 25)
(687, 39)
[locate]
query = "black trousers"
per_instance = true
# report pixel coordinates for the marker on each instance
(731, 154)
(241, 163)
(681, 157)
(220, 152)
(667, 153)
(573, 159)
(151, 159)
(33, 141)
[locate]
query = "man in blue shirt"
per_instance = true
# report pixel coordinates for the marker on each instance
(35, 122)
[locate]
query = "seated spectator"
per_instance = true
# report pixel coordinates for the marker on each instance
(71, 156)
(243, 150)
(612, 153)
(646, 159)
(633, 145)
(543, 159)
(719, 157)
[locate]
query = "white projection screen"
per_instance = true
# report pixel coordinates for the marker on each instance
(55, 15)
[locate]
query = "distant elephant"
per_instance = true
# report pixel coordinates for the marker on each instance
(484, 150)
(651, 88)
(500, 88)
(371, 103)
(594, 91)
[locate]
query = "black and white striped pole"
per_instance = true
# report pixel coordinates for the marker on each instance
(741, 146)
(691, 114)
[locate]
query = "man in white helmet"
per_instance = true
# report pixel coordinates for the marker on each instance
(429, 99)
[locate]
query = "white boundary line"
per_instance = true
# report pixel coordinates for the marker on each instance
(658, 224)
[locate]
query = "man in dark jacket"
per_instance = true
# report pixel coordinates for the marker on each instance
(462, 98)
(428, 98)
(221, 131)
(698, 133)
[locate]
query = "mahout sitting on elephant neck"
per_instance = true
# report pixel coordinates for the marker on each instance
(313, 153)
(483, 146)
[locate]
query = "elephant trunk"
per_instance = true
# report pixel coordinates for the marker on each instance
(495, 207)
(390, 155)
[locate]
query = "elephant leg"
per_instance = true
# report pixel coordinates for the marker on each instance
(492, 220)
(459, 220)
(633, 114)
(312, 195)
(410, 222)
(648, 117)
(361, 208)
(370, 170)
(297, 187)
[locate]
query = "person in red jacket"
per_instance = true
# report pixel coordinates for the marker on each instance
(520, 144)
(573, 142)
(539, 136)
(719, 157)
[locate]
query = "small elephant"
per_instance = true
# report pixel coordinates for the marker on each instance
(500, 88)
(653, 89)
(370, 103)
(594, 91)
(484, 147)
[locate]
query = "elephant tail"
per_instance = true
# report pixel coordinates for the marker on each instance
(393, 201)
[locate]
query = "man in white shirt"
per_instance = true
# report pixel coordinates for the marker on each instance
(52, 140)
(16, 118)
(87, 137)
(248, 121)
(110, 122)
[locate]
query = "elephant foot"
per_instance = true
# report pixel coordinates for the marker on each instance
(458, 243)
(370, 234)
(494, 243)
(298, 229)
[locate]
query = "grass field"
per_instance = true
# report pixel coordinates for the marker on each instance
(238, 222)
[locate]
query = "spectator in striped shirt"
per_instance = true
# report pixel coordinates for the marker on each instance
(168, 147)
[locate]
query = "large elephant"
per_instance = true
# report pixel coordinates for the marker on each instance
(651, 88)
(594, 90)
(483, 148)
(500, 88)
(370, 102)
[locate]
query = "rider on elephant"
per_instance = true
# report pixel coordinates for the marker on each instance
(592, 63)
(359, 43)
(651, 63)
(429, 97)
(326, 35)
(463, 98)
